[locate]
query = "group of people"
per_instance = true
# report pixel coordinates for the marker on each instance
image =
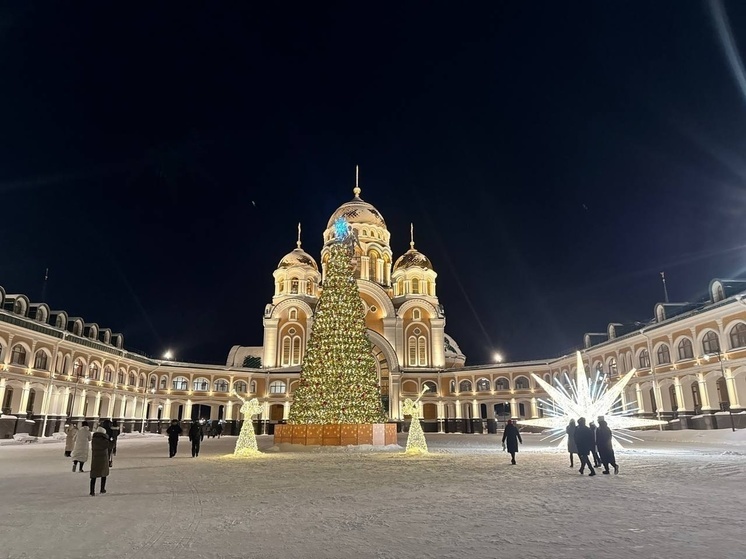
(174, 431)
(102, 444)
(583, 440)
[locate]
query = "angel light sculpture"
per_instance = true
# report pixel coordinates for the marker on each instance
(246, 443)
(416, 443)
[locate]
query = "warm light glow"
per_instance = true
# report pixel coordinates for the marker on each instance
(416, 443)
(168, 355)
(589, 400)
(497, 357)
(246, 442)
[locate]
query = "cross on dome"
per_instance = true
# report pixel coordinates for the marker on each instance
(356, 191)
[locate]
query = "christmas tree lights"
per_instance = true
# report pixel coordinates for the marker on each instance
(416, 443)
(246, 442)
(339, 379)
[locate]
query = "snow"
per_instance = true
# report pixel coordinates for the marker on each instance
(678, 494)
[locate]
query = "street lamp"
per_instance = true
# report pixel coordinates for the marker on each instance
(719, 355)
(497, 357)
(168, 356)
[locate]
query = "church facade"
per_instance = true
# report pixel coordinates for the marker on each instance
(55, 368)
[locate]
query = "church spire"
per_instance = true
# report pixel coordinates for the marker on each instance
(411, 236)
(356, 190)
(298, 243)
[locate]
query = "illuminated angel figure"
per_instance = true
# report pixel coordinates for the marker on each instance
(246, 443)
(416, 443)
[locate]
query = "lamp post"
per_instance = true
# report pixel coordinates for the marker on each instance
(719, 355)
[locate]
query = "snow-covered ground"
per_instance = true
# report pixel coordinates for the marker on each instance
(678, 494)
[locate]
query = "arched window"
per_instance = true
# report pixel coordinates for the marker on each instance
(41, 361)
(281, 286)
(400, 287)
(415, 286)
(422, 351)
(252, 386)
(416, 314)
(710, 343)
(277, 387)
(696, 397)
(78, 368)
(452, 386)
(120, 377)
(483, 385)
(93, 371)
(432, 388)
(722, 389)
(293, 314)
(644, 359)
(501, 384)
(164, 383)
(296, 351)
(521, 383)
(131, 379)
(201, 384)
(107, 374)
(221, 385)
(373, 266)
(685, 349)
(153, 382)
(663, 354)
(180, 383)
(464, 386)
(309, 287)
(239, 386)
(738, 335)
(18, 355)
(287, 344)
(293, 286)
(412, 351)
(612, 366)
(672, 397)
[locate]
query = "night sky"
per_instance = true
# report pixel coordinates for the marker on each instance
(553, 156)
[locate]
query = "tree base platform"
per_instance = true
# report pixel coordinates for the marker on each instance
(337, 434)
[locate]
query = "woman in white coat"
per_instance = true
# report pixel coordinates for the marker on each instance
(82, 446)
(70, 431)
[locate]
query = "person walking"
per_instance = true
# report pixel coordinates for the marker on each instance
(594, 452)
(196, 434)
(511, 438)
(605, 446)
(584, 442)
(106, 424)
(100, 445)
(220, 428)
(80, 447)
(173, 432)
(571, 446)
(70, 431)
(115, 431)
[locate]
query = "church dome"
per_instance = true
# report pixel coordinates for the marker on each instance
(413, 259)
(298, 257)
(359, 211)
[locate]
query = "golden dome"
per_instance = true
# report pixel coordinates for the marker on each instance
(298, 257)
(357, 210)
(413, 259)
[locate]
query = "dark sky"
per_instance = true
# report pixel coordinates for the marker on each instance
(553, 156)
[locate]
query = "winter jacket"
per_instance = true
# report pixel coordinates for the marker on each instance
(512, 436)
(99, 455)
(584, 440)
(174, 431)
(571, 446)
(80, 449)
(196, 433)
(70, 439)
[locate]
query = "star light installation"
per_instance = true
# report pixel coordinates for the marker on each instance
(589, 400)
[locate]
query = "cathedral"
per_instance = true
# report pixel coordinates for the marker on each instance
(56, 368)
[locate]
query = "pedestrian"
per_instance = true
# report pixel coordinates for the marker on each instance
(220, 428)
(571, 446)
(106, 424)
(173, 431)
(70, 431)
(511, 438)
(196, 434)
(115, 431)
(594, 452)
(80, 447)
(100, 445)
(605, 446)
(584, 442)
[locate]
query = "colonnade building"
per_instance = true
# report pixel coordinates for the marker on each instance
(55, 368)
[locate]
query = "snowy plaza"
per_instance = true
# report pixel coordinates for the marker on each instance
(678, 494)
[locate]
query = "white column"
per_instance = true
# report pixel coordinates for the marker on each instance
(534, 411)
(730, 384)
(703, 393)
(513, 409)
(187, 411)
(640, 399)
(475, 409)
(96, 405)
(286, 410)
(438, 342)
(458, 409)
(79, 403)
(23, 402)
(228, 410)
(2, 391)
(166, 410)
(679, 394)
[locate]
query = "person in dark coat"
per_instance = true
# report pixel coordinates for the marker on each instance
(571, 447)
(584, 442)
(196, 434)
(106, 424)
(219, 429)
(115, 430)
(99, 459)
(173, 431)
(511, 438)
(605, 447)
(594, 452)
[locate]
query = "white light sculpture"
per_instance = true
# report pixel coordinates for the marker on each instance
(589, 400)
(416, 443)
(246, 442)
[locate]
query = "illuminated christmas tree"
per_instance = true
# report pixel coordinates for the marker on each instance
(339, 380)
